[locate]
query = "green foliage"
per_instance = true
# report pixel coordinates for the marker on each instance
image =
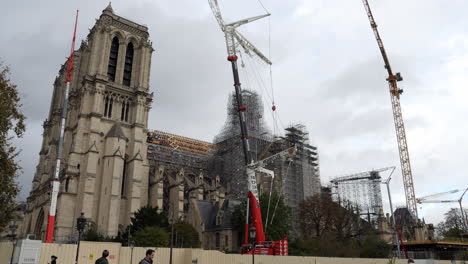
(11, 123)
(148, 216)
(282, 218)
(453, 232)
(92, 234)
(452, 226)
(152, 236)
(187, 236)
(374, 247)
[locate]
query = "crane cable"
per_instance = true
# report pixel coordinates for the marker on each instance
(282, 185)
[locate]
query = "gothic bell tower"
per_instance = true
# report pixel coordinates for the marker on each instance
(105, 171)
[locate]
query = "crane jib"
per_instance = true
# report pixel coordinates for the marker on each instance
(398, 119)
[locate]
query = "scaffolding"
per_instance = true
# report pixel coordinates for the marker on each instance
(362, 190)
(179, 142)
(228, 161)
(296, 179)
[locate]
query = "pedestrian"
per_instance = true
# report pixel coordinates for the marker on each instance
(103, 259)
(149, 257)
(53, 259)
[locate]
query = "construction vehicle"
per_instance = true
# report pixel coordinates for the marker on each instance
(395, 93)
(234, 40)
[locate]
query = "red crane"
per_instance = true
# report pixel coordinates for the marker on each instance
(233, 40)
(56, 180)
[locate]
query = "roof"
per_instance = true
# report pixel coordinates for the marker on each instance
(210, 211)
(116, 131)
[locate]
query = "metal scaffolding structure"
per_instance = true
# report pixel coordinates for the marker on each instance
(362, 190)
(229, 160)
(296, 179)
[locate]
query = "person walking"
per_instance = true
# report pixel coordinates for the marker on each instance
(149, 257)
(103, 259)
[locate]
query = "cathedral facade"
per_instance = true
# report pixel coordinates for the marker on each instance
(105, 168)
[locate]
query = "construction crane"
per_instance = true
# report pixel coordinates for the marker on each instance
(56, 180)
(234, 40)
(395, 93)
(424, 199)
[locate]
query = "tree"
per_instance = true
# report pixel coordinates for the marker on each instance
(279, 220)
(373, 247)
(92, 234)
(185, 235)
(152, 236)
(11, 124)
(453, 224)
(319, 216)
(146, 216)
(332, 230)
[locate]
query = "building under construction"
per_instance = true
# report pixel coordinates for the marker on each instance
(296, 179)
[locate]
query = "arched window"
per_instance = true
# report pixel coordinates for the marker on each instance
(122, 112)
(67, 184)
(127, 107)
(124, 177)
(114, 53)
(109, 114)
(127, 77)
(106, 105)
(108, 101)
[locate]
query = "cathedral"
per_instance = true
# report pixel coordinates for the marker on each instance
(105, 168)
(112, 165)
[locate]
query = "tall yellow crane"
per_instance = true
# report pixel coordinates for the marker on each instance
(395, 93)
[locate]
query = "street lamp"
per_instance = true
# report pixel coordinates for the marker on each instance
(80, 225)
(12, 236)
(252, 234)
(387, 182)
(172, 233)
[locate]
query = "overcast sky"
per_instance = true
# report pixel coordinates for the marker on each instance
(327, 74)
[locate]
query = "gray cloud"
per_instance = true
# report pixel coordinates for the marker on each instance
(328, 74)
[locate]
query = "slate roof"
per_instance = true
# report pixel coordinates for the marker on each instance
(209, 211)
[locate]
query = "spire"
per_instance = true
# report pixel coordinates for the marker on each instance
(108, 8)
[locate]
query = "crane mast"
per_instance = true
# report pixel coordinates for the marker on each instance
(395, 92)
(233, 40)
(56, 181)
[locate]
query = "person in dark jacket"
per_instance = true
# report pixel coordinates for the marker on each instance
(149, 257)
(103, 259)
(53, 259)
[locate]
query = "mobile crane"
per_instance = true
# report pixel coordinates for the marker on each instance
(233, 40)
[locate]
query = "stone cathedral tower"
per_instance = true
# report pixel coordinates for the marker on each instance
(105, 166)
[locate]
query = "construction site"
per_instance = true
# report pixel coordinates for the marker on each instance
(100, 163)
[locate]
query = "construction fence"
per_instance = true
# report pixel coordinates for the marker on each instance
(90, 251)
